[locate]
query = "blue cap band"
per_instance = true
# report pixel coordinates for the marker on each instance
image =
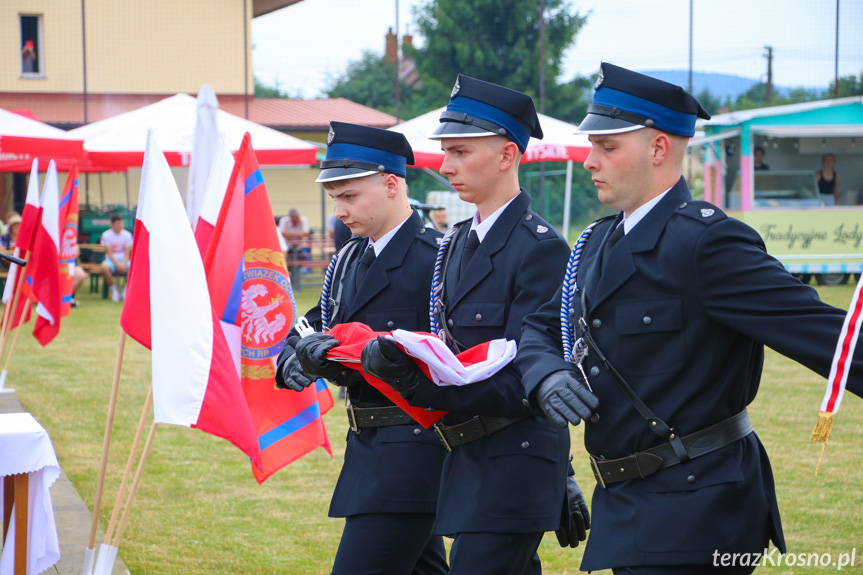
(392, 163)
(664, 118)
(514, 130)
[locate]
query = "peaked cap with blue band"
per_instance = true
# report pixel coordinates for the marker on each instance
(626, 101)
(355, 151)
(478, 108)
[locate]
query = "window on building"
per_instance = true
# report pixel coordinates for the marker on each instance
(31, 46)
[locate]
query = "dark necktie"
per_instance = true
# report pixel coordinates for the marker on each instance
(363, 266)
(467, 253)
(609, 244)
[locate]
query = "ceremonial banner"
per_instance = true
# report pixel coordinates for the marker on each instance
(168, 307)
(252, 295)
(68, 238)
(42, 277)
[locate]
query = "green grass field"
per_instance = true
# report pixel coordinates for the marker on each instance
(199, 510)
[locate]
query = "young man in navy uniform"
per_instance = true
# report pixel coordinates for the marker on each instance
(505, 474)
(675, 302)
(388, 486)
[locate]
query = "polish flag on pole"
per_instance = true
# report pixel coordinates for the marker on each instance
(42, 277)
(214, 195)
(195, 383)
(23, 243)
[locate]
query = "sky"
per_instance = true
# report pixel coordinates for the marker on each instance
(303, 47)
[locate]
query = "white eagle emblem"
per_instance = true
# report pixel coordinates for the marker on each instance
(707, 212)
(254, 317)
(540, 229)
(455, 90)
(599, 80)
(331, 136)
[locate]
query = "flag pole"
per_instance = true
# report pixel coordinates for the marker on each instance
(10, 316)
(9, 355)
(107, 555)
(128, 471)
(109, 423)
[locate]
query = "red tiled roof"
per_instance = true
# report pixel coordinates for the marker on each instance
(67, 110)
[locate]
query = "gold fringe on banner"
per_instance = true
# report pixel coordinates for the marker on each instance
(821, 434)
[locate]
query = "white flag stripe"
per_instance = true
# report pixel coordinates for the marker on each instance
(181, 316)
(444, 367)
(217, 182)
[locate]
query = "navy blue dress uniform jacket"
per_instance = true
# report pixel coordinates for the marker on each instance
(513, 480)
(683, 309)
(393, 469)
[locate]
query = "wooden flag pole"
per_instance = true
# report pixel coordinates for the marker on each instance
(138, 473)
(109, 423)
(11, 349)
(128, 471)
(10, 316)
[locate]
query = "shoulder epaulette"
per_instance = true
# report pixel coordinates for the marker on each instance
(703, 212)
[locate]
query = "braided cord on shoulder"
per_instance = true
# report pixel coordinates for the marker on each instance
(568, 290)
(436, 284)
(325, 293)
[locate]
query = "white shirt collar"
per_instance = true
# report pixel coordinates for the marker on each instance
(638, 215)
(482, 227)
(385, 239)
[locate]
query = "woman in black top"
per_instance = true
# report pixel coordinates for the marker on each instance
(828, 180)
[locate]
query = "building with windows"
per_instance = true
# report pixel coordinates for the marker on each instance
(73, 62)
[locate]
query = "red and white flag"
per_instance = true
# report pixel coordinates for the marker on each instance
(168, 309)
(23, 243)
(42, 277)
(214, 195)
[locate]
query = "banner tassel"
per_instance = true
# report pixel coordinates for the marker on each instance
(821, 434)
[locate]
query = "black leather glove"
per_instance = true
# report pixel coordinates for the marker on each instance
(312, 353)
(564, 397)
(575, 519)
(293, 376)
(384, 360)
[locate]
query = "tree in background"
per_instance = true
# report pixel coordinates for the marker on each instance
(848, 86)
(499, 41)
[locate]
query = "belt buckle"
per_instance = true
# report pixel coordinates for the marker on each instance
(352, 419)
(439, 431)
(596, 473)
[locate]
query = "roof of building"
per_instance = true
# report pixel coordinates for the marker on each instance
(67, 110)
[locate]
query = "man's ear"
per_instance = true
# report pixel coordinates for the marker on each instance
(509, 155)
(660, 147)
(391, 183)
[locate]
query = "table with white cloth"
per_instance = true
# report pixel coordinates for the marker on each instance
(29, 467)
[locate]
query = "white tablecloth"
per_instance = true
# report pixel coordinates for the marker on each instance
(26, 448)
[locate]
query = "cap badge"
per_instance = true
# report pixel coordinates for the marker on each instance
(331, 136)
(599, 80)
(455, 90)
(540, 229)
(707, 212)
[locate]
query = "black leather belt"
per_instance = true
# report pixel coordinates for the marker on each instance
(471, 430)
(360, 417)
(643, 463)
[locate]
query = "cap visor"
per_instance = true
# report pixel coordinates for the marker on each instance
(595, 124)
(335, 174)
(458, 130)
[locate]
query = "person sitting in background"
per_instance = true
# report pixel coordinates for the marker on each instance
(119, 243)
(439, 220)
(295, 229)
(13, 222)
(759, 164)
(80, 274)
(828, 180)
